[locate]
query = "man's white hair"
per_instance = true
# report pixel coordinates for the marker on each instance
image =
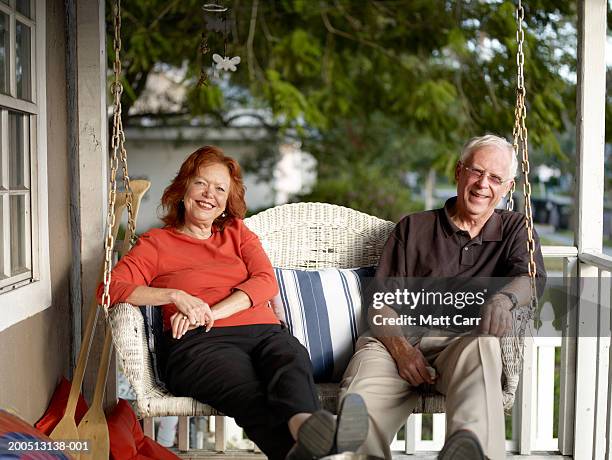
(490, 140)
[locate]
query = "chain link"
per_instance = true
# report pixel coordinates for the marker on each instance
(117, 152)
(520, 144)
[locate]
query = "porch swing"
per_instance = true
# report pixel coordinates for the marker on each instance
(344, 238)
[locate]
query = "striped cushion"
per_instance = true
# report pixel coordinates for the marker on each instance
(324, 310)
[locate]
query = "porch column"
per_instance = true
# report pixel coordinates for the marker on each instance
(89, 158)
(590, 125)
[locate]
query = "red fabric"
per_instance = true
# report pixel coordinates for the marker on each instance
(210, 269)
(128, 442)
(12, 428)
(151, 449)
(57, 408)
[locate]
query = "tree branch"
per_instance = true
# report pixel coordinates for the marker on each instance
(251, 37)
(161, 15)
(326, 67)
(235, 37)
(266, 30)
(354, 22)
(465, 102)
(340, 33)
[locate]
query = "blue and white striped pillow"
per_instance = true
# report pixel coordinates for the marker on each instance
(324, 310)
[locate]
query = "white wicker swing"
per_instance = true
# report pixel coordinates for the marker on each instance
(301, 236)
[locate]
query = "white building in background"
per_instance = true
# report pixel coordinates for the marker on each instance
(156, 154)
(294, 173)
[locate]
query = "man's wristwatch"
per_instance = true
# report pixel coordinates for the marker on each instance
(512, 298)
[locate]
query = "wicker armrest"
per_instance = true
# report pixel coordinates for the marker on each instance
(130, 343)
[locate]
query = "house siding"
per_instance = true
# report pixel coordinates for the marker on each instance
(35, 353)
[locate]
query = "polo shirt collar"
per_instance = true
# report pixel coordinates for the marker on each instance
(492, 230)
(448, 226)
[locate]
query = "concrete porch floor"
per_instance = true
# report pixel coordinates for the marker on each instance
(208, 455)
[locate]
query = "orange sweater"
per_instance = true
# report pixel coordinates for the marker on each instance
(210, 269)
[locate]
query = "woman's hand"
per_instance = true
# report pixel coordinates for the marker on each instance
(180, 324)
(192, 312)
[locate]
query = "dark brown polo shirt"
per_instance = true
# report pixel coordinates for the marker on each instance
(429, 244)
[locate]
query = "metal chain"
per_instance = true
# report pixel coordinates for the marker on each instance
(118, 125)
(117, 151)
(520, 144)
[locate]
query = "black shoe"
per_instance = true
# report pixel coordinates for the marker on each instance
(352, 424)
(462, 445)
(315, 437)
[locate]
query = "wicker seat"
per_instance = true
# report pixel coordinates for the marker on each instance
(301, 236)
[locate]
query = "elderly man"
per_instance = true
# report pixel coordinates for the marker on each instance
(468, 237)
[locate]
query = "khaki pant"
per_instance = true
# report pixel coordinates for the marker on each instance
(469, 374)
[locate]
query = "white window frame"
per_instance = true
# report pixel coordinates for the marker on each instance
(35, 296)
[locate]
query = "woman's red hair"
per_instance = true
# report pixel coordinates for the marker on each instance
(173, 213)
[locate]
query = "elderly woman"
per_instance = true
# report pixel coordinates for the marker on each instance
(226, 347)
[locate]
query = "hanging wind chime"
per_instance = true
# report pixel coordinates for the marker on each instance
(215, 16)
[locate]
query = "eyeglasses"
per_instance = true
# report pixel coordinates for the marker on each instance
(479, 173)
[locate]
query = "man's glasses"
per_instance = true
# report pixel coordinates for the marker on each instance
(479, 173)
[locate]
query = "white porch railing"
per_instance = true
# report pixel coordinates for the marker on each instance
(593, 377)
(533, 413)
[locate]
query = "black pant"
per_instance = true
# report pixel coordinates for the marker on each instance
(258, 374)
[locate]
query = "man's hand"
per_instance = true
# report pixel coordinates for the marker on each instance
(412, 366)
(496, 318)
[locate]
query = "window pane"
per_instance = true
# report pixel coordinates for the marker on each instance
(19, 258)
(22, 61)
(4, 52)
(16, 151)
(23, 7)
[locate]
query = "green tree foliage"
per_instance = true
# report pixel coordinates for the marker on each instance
(373, 88)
